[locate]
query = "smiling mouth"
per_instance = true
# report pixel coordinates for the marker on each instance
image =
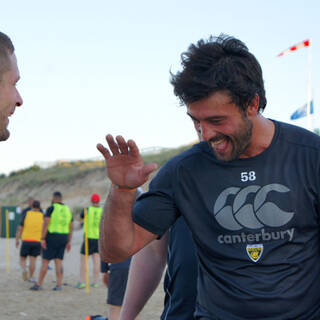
(217, 141)
(220, 145)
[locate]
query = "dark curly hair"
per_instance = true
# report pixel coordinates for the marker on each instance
(218, 64)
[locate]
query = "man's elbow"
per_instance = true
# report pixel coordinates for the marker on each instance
(111, 254)
(113, 257)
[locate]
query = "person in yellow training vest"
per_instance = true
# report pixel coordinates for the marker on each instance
(94, 213)
(56, 237)
(29, 231)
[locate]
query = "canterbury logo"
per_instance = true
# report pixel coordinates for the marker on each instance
(253, 216)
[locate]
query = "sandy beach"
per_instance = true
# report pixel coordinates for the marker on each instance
(18, 302)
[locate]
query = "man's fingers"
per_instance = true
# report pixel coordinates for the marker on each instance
(112, 144)
(133, 148)
(123, 146)
(104, 151)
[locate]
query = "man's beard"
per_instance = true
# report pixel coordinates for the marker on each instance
(240, 141)
(4, 132)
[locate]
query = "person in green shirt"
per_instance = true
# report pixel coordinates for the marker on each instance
(90, 217)
(56, 237)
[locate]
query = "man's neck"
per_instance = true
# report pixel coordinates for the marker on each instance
(262, 134)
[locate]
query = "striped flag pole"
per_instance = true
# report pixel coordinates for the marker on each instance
(309, 86)
(303, 44)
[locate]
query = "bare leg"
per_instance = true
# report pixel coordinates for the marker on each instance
(96, 267)
(114, 312)
(23, 262)
(82, 268)
(43, 271)
(59, 274)
(32, 266)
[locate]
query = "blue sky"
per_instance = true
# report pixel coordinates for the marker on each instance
(98, 67)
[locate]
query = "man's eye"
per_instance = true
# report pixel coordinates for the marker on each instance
(216, 122)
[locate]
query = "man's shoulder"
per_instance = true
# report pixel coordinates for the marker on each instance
(24, 211)
(34, 212)
(191, 154)
(298, 136)
(188, 159)
(61, 204)
(49, 211)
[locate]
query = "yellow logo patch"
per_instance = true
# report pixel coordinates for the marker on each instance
(255, 251)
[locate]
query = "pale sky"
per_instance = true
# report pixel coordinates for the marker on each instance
(89, 68)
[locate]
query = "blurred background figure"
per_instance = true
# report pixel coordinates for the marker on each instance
(93, 213)
(29, 231)
(56, 237)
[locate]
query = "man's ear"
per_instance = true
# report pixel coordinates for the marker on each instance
(253, 107)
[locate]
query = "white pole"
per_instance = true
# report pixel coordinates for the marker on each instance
(309, 86)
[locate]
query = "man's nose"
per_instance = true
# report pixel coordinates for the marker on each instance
(205, 132)
(19, 101)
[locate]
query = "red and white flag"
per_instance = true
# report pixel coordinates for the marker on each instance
(305, 43)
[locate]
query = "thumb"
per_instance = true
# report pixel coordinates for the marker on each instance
(147, 169)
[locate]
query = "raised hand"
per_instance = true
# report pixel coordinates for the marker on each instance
(124, 164)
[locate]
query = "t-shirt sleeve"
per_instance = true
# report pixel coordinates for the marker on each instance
(156, 210)
(104, 267)
(48, 212)
(23, 216)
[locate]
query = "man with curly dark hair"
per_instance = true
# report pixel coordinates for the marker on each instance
(249, 193)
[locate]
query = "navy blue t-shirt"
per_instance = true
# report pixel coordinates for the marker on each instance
(255, 223)
(105, 266)
(180, 282)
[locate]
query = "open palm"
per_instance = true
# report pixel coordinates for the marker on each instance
(124, 164)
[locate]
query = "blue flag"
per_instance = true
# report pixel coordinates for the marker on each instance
(302, 112)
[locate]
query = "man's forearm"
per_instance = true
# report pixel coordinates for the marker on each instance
(45, 228)
(18, 234)
(70, 232)
(116, 227)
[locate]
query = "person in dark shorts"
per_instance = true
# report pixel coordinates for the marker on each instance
(56, 237)
(175, 249)
(91, 228)
(115, 277)
(29, 230)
